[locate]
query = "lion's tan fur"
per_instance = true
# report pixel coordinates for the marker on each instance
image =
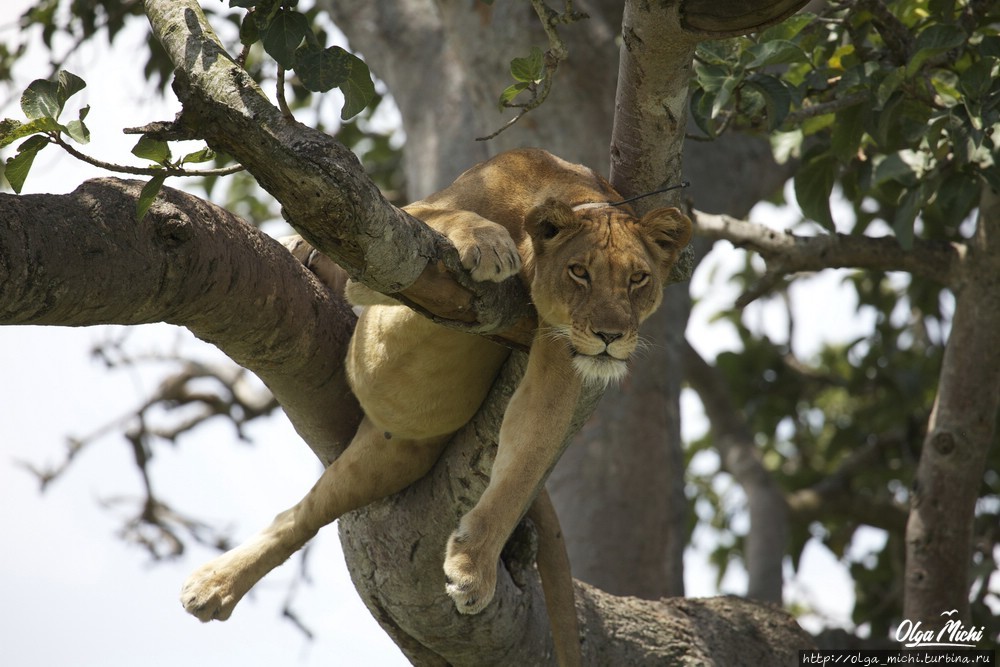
(594, 273)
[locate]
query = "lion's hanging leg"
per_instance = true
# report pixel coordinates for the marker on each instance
(372, 467)
(557, 581)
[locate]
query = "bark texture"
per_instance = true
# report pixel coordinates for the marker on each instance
(959, 435)
(82, 259)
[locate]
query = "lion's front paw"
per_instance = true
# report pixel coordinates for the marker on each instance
(210, 593)
(471, 578)
(488, 252)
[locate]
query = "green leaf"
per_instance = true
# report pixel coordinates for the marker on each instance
(786, 145)
(69, 85)
(978, 79)
(249, 30)
(724, 95)
(904, 167)
(358, 90)
(204, 155)
(711, 77)
(530, 69)
(701, 111)
(886, 121)
(147, 195)
(906, 213)
(813, 186)
(151, 149)
(990, 46)
(789, 28)
(78, 132)
(888, 86)
(46, 99)
(12, 130)
(41, 100)
(512, 91)
(18, 166)
(321, 70)
(776, 52)
(777, 98)
(717, 52)
(845, 138)
(283, 35)
(935, 40)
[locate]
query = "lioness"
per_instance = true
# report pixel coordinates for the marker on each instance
(595, 271)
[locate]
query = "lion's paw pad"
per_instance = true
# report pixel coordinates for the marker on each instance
(207, 595)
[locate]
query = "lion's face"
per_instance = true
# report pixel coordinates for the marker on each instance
(598, 273)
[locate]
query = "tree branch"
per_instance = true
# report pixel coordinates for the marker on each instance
(323, 189)
(715, 19)
(787, 253)
(82, 259)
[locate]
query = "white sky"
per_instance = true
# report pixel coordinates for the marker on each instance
(74, 594)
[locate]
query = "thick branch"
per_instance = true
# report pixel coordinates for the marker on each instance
(82, 259)
(714, 19)
(323, 190)
(786, 252)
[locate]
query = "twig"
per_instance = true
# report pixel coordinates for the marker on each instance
(556, 54)
(279, 93)
(822, 108)
(140, 171)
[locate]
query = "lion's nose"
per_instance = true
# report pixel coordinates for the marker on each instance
(607, 337)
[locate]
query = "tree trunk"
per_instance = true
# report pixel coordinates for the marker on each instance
(959, 435)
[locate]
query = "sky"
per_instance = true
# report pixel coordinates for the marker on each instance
(76, 594)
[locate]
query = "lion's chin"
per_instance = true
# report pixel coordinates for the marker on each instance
(602, 369)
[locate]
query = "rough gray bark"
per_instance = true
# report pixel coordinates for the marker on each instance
(82, 259)
(959, 435)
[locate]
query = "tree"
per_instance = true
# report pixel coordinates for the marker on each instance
(735, 89)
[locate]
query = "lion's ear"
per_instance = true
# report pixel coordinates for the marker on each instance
(670, 231)
(545, 221)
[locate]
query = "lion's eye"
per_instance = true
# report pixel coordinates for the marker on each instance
(639, 278)
(579, 272)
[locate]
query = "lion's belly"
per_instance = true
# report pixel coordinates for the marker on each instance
(416, 379)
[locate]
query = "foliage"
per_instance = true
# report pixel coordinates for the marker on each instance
(287, 36)
(899, 105)
(42, 103)
(291, 35)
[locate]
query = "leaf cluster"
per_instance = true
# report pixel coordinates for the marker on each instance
(287, 36)
(42, 103)
(899, 103)
(846, 424)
